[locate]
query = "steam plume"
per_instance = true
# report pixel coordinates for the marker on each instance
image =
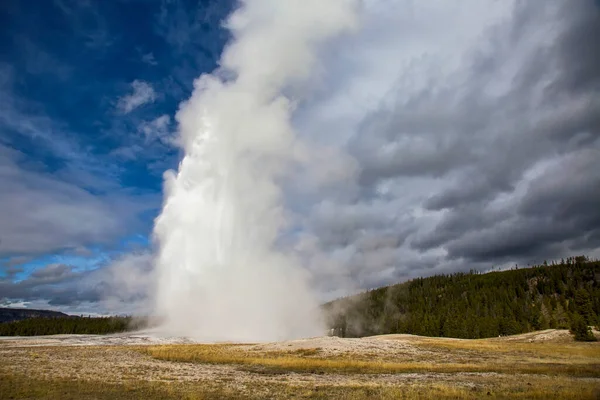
(220, 276)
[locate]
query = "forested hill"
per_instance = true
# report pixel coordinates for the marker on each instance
(476, 305)
(16, 314)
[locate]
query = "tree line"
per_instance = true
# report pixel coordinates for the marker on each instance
(478, 305)
(68, 325)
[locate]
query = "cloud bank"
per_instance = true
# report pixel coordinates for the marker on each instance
(474, 131)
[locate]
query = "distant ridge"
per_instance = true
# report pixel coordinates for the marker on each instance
(18, 314)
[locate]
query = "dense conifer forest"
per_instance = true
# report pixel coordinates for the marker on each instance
(475, 305)
(67, 325)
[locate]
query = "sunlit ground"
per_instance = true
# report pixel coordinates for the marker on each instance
(541, 365)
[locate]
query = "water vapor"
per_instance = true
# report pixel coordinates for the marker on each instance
(220, 275)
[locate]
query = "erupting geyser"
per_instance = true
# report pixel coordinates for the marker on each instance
(220, 276)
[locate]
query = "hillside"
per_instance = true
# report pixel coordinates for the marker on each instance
(475, 305)
(17, 314)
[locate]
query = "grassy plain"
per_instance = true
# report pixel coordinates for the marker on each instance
(389, 367)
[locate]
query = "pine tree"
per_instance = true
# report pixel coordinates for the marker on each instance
(581, 330)
(583, 306)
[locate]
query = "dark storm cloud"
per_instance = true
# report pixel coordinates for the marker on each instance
(561, 206)
(52, 273)
(495, 163)
(339, 226)
(43, 283)
(10, 271)
(578, 46)
(467, 218)
(439, 131)
(419, 152)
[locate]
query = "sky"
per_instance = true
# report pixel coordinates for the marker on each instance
(444, 136)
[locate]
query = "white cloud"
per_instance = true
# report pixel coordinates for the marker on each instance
(158, 129)
(143, 93)
(149, 59)
(41, 212)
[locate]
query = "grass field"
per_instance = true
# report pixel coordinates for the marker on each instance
(393, 367)
(572, 360)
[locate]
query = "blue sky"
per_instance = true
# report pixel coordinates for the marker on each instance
(443, 137)
(88, 92)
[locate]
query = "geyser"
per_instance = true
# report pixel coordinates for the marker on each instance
(220, 275)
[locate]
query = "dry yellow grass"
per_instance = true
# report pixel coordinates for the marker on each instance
(473, 356)
(587, 351)
(404, 368)
(28, 387)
